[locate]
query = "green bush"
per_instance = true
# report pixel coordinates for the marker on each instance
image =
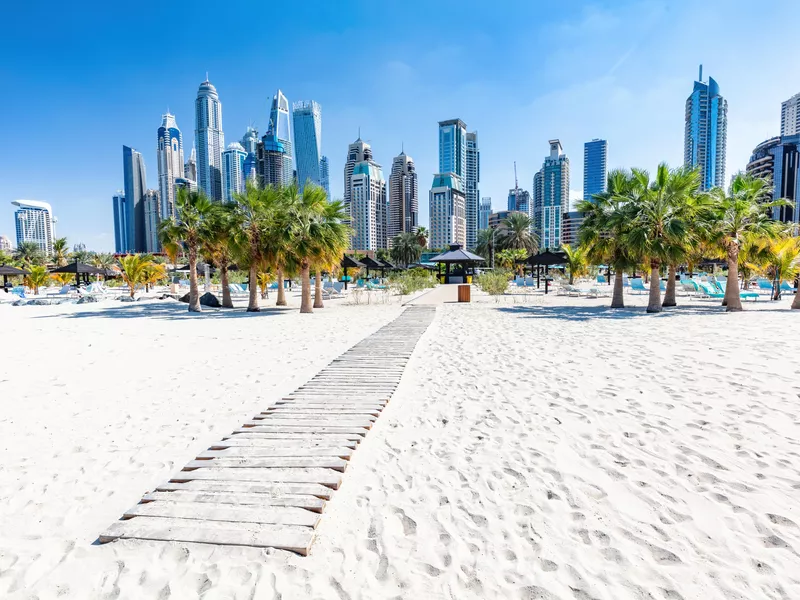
(494, 283)
(412, 281)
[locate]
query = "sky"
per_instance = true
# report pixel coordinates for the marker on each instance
(82, 79)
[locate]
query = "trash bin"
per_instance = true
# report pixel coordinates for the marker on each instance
(463, 293)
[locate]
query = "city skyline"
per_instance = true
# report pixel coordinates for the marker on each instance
(603, 90)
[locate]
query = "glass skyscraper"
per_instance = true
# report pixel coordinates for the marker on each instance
(485, 211)
(308, 141)
(551, 197)
(325, 175)
(170, 163)
(35, 223)
(453, 147)
(135, 180)
(209, 139)
(120, 222)
(472, 193)
(595, 168)
(706, 132)
(233, 171)
(282, 130)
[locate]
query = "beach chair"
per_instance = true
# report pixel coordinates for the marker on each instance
(743, 294)
(662, 285)
(18, 290)
(601, 279)
(237, 291)
(637, 287)
(708, 291)
(689, 286)
(764, 284)
(786, 287)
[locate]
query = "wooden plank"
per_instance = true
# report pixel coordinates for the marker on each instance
(278, 462)
(262, 442)
(306, 413)
(311, 503)
(309, 429)
(277, 451)
(269, 515)
(295, 539)
(278, 420)
(326, 477)
(273, 490)
(325, 438)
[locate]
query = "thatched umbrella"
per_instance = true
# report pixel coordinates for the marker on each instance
(8, 271)
(78, 269)
(349, 263)
(546, 259)
(371, 263)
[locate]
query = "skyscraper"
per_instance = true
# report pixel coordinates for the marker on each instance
(324, 175)
(356, 152)
(368, 207)
(453, 147)
(778, 161)
(190, 168)
(35, 223)
(120, 222)
(281, 129)
(250, 140)
(595, 156)
(170, 163)
(520, 200)
(135, 178)
(447, 211)
(790, 116)
(152, 217)
(484, 212)
(5, 243)
(233, 171)
(706, 133)
(308, 141)
(209, 139)
(271, 163)
(472, 193)
(553, 185)
(403, 196)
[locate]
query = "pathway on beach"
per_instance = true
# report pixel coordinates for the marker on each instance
(266, 484)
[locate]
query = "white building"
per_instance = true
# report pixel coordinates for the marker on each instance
(152, 218)
(447, 211)
(357, 152)
(5, 243)
(403, 197)
(170, 163)
(471, 191)
(35, 223)
(209, 139)
(368, 206)
(790, 116)
(233, 171)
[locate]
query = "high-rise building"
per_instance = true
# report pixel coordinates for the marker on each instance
(170, 163)
(233, 171)
(357, 152)
(453, 147)
(790, 116)
(282, 130)
(250, 139)
(572, 221)
(778, 161)
(520, 200)
(190, 168)
(471, 191)
(324, 175)
(120, 223)
(250, 145)
(271, 161)
(308, 141)
(551, 197)
(35, 223)
(496, 219)
(403, 196)
(447, 211)
(5, 243)
(595, 168)
(706, 133)
(152, 217)
(135, 179)
(484, 212)
(368, 207)
(209, 139)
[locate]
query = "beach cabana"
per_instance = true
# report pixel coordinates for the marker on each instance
(371, 263)
(8, 271)
(78, 268)
(545, 259)
(457, 265)
(349, 262)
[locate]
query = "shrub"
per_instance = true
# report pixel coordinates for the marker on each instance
(412, 281)
(494, 283)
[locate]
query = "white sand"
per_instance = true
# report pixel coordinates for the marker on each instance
(554, 450)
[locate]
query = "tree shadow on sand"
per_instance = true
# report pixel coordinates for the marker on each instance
(168, 311)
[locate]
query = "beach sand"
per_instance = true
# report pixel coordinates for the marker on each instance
(542, 448)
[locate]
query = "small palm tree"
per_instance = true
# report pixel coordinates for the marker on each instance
(512, 259)
(783, 262)
(37, 277)
(133, 269)
(422, 236)
(576, 262)
(218, 243)
(515, 233)
(29, 254)
(60, 251)
(153, 273)
(254, 215)
(103, 261)
(405, 248)
(61, 278)
(264, 279)
(192, 210)
(486, 243)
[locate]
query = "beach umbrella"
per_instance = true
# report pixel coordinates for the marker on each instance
(349, 263)
(546, 259)
(78, 268)
(8, 271)
(371, 263)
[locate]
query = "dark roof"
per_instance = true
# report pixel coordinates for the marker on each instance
(9, 270)
(348, 262)
(387, 264)
(200, 268)
(371, 263)
(457, 254)
(78, 268)
(547, 258)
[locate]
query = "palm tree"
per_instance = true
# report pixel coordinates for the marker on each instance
(575, 261)
(218, 243)
(5, 258)
(153, 273)
(192, 209)
(103, 261)
(80, 253)
(60, 251)
(38, 276)
(743, 211)
(485, 244)
(512, 259)
(264, 279)
(605, 226)
(405, 248)
(783, 262)
(29, 254)
(62, 278)
(515, 233)
(422, 236)
(333, 239)
(133, 268)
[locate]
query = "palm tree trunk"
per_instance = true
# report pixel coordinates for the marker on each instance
(305, 281)
(281, 292)
(226, 291)
(617, 298)
(194, 294)
(669, 295)
(318, 290)
(796, 301)
(252, 288)
(733, 301)
(570, 277)
(654, 303)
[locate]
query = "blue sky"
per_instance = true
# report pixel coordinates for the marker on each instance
(82, 79)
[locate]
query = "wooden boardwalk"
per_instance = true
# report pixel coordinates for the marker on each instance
(266, 484)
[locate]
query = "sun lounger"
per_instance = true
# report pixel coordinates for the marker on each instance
(637, 287)
(785, 287)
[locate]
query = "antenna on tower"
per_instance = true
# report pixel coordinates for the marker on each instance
(516, 184)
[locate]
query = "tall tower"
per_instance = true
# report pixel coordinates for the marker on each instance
(403, 196)
(152, 218)
(233, 171)
(271, 157)
(308, 141)
(190, 168)
(135, 186)
(472, 193)
(483, 213)
(595, 168)
(368, 206)
(250, 140)
(706, 133)
(281, 128)
(553, 185)
(453, 147)
(120, 222)
(209, 139)
(356, 153)
(324, 175)
(170, 163)
(35, 223)
(790, 116)
(448, 221)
